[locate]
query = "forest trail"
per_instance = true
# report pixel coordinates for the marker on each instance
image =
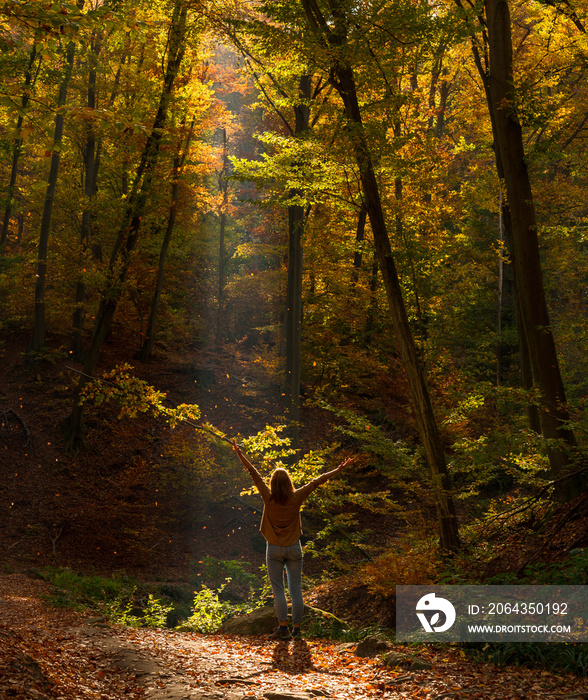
(49, 653)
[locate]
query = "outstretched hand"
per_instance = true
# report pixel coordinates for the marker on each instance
(344, 463)
(240, 454)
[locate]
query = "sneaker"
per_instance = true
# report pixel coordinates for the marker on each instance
(282, 633)
(296, 633)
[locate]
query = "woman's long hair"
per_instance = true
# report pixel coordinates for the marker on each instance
(281, 486)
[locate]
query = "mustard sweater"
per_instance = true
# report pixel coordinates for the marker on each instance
(281, 524)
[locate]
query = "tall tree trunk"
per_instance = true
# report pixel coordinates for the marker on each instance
(90, 178)
(92, 159)
(120, 258)
(224, 190)
(561, 442)
(499, 295)
(429, 434)
(30, 76)
(370, 321)
(526, 370)
(38, 340)
(343, 80)
(179, 159)
(359, 239)
(296, 218)
(290, 340)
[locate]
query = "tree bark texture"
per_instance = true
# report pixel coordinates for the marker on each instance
(554, 417)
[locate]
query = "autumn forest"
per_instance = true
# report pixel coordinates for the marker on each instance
(326, 228)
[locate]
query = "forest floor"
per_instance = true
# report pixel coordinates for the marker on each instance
(49, 653)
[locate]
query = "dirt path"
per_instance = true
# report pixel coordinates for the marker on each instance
(53, 654)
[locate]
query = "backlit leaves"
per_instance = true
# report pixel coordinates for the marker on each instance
(135, 396)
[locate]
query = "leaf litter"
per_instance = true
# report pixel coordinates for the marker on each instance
(49, 653)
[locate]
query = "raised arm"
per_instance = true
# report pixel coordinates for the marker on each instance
(255, 475)
(246, 463)
(329, 475)
(312, 485)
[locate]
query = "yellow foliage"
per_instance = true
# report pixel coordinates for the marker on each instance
(135, 396)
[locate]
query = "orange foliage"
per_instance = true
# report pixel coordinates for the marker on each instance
(403, 567)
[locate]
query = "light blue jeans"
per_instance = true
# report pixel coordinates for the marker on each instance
(276, 559)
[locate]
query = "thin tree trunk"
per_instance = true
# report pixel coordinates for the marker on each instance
(147, 347)
(38, 340)
(499, 294)
(224, 189)
(561, 441)
(359, 239)
(120, 258)
(90, 178)
(30, 77)
(296, 218)
(370, 320)
(291, 334)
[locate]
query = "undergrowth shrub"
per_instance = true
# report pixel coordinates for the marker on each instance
(562, 657)
(573, 570)
(231, 578)
(120, 598)
(123, 610)
(215, 571)
(209, 611)
(493, 451)
(80, 591)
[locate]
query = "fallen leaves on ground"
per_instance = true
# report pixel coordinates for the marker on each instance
(55, 654)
